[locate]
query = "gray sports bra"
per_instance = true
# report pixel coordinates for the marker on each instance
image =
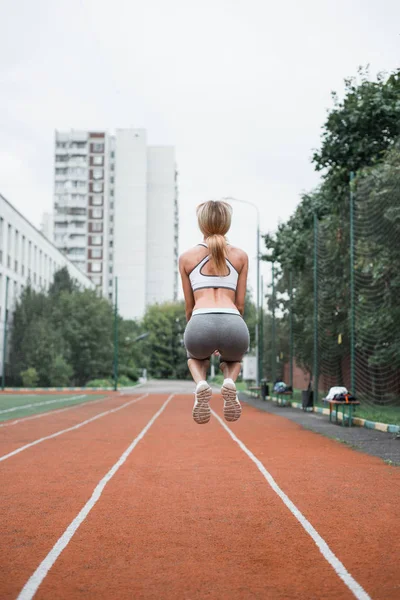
(199, 281)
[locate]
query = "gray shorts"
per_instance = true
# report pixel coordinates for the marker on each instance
(227, 333)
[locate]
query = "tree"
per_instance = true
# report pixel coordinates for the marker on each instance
(85, 322)
(357, 134)
(62, 282)
(65, 335)
(59, 372)
(361, 128)
(250, 317)
(164, 353)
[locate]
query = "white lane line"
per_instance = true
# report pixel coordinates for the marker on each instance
(323, 547)
(81, 424)
(60, 399)
(33, 583)
(53, 412)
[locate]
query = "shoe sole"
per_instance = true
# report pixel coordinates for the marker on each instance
(201, 409)
(232, 407)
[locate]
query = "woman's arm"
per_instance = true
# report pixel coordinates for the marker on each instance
(187, 289)
(242, 285)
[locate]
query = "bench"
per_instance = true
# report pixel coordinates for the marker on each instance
(255, 388)
(278, 396)
(337, 404)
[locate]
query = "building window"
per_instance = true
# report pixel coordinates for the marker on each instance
(111, 192)
(111, 244)
(97, 227)
(97, 147)
(95, 240)
(97, 160)
(97, 186)
(98, 173)
(77, 211)
(112, 154)
(96, 213)
(95, 267)
(96, 253)
(111, 231)
(96, 200)
(110, 269)
(76, 251)
(96, 279)
(111, 179)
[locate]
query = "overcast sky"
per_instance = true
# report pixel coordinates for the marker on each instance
(239, 87)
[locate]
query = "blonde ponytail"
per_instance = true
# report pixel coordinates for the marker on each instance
(214, 221)
(217, 245)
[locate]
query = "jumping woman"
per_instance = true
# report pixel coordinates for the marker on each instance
(214, 278)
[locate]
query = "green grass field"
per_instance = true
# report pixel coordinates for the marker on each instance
(16, 406)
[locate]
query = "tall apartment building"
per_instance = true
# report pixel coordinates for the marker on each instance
(116, 214)
(26, 256)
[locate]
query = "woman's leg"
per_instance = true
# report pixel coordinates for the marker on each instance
(198, 369)
(201, 409)
(230, 370)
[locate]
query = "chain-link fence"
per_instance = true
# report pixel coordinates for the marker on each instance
(339, 310)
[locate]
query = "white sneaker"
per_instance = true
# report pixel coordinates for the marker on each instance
(201, 409)
(232, 408)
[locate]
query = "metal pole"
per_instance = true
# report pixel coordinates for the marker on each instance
(3, 380)
(273, 341)
(262, 329)
(352, 293)
(258, 302)
(291, 329)
(316, 366)
(116, 335)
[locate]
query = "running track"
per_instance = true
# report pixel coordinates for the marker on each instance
(182, 511)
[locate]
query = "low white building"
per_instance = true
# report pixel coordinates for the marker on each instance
(26, 255)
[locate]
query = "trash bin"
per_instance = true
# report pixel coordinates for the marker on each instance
(307, 399)
(264, 390)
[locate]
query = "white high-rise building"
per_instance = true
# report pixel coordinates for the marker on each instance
(116, 214)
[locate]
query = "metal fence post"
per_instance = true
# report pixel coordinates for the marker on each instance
(291, 329)
(3, 380)
(352, 292)
(261, 353)
(316, 365)
(116, 335)
(273, 340)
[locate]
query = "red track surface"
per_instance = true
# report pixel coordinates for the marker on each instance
(189, 515)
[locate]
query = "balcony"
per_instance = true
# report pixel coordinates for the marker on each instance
(77, 151)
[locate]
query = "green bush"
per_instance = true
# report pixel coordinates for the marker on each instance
(100, 383)
(127, 371)
(29, 377)
(60, 372)
(123, 381)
